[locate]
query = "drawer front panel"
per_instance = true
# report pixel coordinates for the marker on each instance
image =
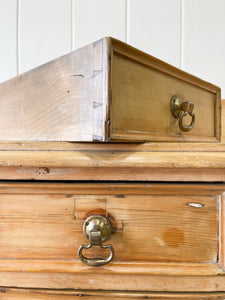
(166, 237)
(149, 226)
(142, 89)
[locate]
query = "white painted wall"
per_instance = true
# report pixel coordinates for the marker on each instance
(189, 34)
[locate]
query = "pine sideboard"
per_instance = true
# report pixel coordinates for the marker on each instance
(160, 203)
(165, 201)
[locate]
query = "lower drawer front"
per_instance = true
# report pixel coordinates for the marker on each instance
(7, 294)
(170, 230)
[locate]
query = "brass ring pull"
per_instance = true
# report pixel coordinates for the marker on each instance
(97, 229)
(186, 128)
(181, 109)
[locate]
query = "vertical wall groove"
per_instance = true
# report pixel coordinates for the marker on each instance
(72, 26)
(127, 21)
(126, 24)
(18, 39)
(181, 34)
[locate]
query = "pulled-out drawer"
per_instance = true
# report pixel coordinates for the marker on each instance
(109, 91)
(156, 229)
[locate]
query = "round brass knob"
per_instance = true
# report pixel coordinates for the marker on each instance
(97, 230)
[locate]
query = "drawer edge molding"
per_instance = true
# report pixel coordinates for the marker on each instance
(7, 293)
(103, 159)
(122, 268)
(153, 283)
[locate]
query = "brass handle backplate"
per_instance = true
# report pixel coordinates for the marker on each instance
(181, 109)
(97, 230)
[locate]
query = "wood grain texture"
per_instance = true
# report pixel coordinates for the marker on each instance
(223, 122)
(115, 282)
(56, 101)
(113, 161)
(119, 159)
(141, 108)
(126, 147)
(179, 221)
(122, 268)
(113, 174)
(176, 232)
(141, 79)
(26, 294)
(111, 188)
(222, 232)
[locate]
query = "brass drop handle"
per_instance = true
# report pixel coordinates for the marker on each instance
(97, 230)
(181, 109)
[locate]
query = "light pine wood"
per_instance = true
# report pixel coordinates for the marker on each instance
(108, 161)
(124, 147)
(26, 294)
(61, 100)
(113, 165)
(179, 226)
(122, 268)
(111, 188)
(222, 232)
(129, 174)
(121, 159)
(117, 282)
(223, 122)
(85, 206)
(164, 229)
(105, 91)
(134, 87)
(167, 230)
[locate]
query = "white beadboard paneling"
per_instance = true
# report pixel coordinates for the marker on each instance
(44, 31)
(204, 40)
(154, 27)
(8, 40)
(94, 19)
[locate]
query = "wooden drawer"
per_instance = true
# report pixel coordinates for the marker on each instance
(107, 91)
(159, 230)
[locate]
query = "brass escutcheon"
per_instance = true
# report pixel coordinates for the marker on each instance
(181, 109)
(97, 230)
